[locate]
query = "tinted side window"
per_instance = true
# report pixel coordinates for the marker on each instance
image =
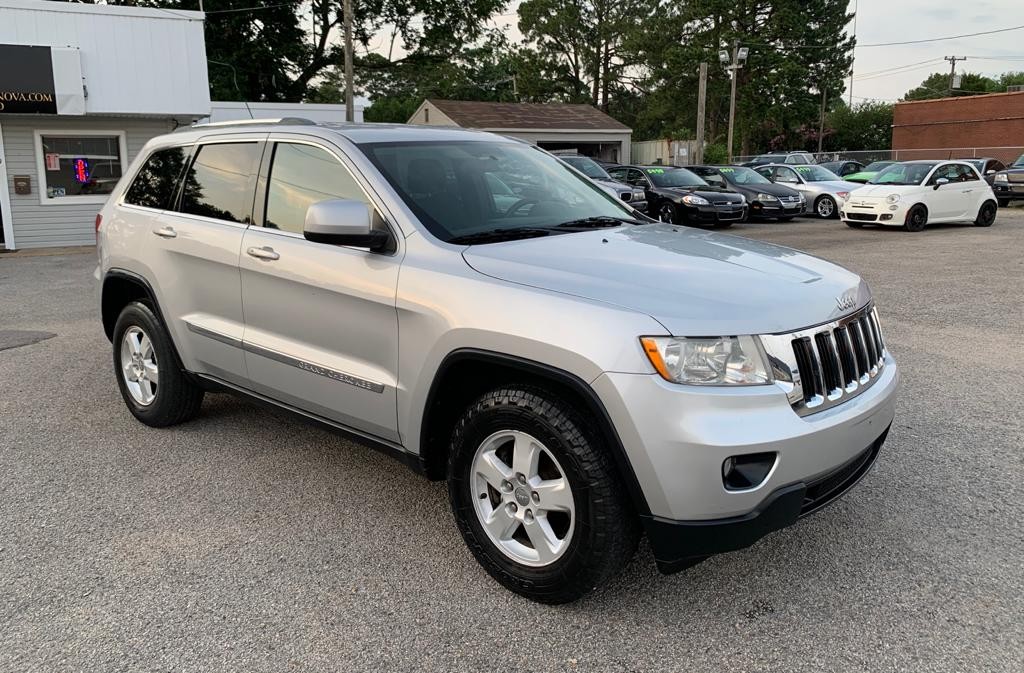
(300, 176)
(967, 174)
(154, 186)
(218, 183)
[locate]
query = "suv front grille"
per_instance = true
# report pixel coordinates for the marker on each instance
(830, 364)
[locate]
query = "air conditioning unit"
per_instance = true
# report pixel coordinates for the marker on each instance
(1015, 88)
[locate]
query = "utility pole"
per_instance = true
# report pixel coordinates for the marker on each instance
(821, 120)
(702, 95)
(855, 14)
(952, 70)
(350, 114)
(739, 55)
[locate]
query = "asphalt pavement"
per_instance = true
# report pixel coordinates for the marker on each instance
(244, 541)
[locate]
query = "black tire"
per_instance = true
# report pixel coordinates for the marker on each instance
(854, 225)
(986, 214)
(917, 219)
(825, 207)
(606, 530)
(177, 398)
(1003, 203)
(667, 212)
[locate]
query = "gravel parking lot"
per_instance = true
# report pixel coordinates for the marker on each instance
(245, 541)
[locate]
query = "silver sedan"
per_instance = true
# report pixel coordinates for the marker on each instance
(824, 191)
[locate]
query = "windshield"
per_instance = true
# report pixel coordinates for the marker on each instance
(743, 176)
(903, 174)
(674, 177)
(588, 167)
(876, 166)
(816, 174)
(459, 188)
(977, 163)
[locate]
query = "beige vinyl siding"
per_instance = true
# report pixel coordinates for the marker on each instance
(36, 225)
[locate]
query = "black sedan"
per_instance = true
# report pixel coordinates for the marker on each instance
(764, 197)
(679, 196)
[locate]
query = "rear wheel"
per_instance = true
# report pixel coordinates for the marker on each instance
(986, 215)
(536, 497)
(151, 380)
(917, 219)
(825, 207)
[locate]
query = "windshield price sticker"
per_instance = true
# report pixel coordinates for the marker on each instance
(727, 170)
(655, 171)
(804, 169)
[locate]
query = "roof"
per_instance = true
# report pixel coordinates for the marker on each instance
(355, 132)
(490, 115)
(974, 98)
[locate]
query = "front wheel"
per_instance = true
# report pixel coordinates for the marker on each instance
(153, 386)
(825, 207)
(986, 215)
(536, 497)
(917, 219)
(667, 212)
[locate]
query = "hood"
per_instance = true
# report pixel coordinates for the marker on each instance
(771, 188)
(712, 194)
(693, 282)
(835, 185)
(882, 191)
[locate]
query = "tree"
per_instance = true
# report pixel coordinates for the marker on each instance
(865, 126)
(936, 85)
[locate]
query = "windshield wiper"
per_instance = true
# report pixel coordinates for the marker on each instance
(597, 222)
(497, 235)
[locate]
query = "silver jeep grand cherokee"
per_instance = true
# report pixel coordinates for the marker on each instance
(490, 317)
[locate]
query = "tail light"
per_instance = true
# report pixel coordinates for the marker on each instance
(99, 221)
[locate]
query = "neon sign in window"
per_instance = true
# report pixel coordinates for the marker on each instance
(80, 167)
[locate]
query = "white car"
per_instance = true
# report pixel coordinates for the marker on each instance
(913, 194)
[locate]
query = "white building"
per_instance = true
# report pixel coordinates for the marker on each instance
(553, 126)
(82, 88)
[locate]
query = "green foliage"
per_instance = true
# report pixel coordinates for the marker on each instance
(865, 126)
(391, 110)
(716, 154)
(936, 85)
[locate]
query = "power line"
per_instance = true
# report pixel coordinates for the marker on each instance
(783, 47)
(898, 67)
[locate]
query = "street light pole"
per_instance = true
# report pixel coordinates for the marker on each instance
(739, 55)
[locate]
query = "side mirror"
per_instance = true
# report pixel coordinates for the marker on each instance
(941, 181)
(990, 172)
(344, 222)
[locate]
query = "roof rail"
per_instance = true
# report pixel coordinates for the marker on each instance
(283, 121)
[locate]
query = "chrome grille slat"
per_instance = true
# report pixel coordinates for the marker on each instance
(823, 366)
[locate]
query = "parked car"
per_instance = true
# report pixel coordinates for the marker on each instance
(917, 193)
(824, 191)
(764, 198)
(843, 168)
(555, 361)
(782, 158)
(679, 196)
(987, 166)
(593, 170)
(1008, 184)
(869, 171)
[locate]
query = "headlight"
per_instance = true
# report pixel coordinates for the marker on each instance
(893, 198)
(766, 197)
(715, 362)
(1002, 177)
(695, 200)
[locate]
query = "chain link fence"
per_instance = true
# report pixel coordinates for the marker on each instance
(1007, 154)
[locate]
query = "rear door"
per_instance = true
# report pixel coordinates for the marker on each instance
(196, 254)
(321, 326)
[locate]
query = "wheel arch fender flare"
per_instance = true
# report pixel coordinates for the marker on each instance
(433, 450)
(113, 299)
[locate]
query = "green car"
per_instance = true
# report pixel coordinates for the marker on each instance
(870, 171)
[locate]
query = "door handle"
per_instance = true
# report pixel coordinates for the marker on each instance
(165, 232)
(265, 253)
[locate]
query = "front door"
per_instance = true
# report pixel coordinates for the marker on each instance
(195, 254)
(321, 327)
(945, 202)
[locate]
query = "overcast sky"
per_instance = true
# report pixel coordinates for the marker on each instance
(883, 21)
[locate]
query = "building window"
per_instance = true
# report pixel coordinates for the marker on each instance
(79, 166)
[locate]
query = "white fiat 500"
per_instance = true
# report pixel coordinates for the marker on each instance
(917, 193)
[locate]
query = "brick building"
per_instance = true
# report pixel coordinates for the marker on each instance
(956, 127)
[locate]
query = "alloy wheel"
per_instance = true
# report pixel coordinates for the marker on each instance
(139, 366)
(826, 207)
(667, 213)
(522, 498)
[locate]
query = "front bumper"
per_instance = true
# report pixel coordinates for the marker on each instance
(1008, 190)
(877, 212)
(680, 544)
(776, 209)
(677, 439)
(730, 212)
